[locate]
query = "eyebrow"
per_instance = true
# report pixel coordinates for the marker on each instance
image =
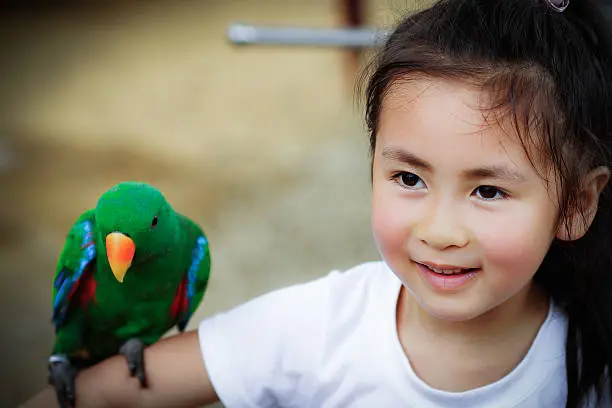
(485, 172)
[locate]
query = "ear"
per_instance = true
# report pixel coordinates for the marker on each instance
(588, 198)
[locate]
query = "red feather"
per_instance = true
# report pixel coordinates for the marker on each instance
(84, 288)
(180, 302)
(88, 287)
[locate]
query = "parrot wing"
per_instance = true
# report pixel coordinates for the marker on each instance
(192, 288)
(74, 272)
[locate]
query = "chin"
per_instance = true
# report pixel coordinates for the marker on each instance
(452, 314)
(451, 308)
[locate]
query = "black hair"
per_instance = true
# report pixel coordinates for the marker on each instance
(552, 73)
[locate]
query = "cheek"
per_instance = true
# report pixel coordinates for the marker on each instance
(391, 221)
(517, 241)
(387, 231)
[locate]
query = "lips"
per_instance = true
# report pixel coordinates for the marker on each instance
(447, 278)
(446, 269)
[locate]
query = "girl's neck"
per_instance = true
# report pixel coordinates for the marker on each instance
(458, 356)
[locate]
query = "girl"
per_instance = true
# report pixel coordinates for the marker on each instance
(490, 126)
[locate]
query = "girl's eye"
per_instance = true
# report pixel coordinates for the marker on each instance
(490, 193)
(408, 180)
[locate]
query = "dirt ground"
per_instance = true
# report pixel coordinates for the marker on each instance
(264, 147)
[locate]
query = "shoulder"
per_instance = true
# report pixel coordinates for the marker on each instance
(358, 292)
(189, 226)
(325, 302)
(334, 285)
(338, 284)
(269, 349)
(306, 304)
(87, 215)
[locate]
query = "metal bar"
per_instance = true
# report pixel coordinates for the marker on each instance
(243, 34)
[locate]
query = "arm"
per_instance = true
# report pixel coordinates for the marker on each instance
(176, 373)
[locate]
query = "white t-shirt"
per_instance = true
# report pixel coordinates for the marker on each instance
(333, 342)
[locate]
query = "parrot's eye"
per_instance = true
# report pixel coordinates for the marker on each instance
(154, 222)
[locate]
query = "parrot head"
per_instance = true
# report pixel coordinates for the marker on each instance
(136, 224)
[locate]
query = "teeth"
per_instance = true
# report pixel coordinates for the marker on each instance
(446, 271)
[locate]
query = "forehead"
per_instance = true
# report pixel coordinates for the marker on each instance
(130, 202)
(449, 119)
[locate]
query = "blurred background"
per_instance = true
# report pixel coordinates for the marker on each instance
(264, 146)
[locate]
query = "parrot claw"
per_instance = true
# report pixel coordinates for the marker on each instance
(133, 350)
(62, 377)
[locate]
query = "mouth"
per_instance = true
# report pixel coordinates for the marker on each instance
(446, 269)
(447, 277)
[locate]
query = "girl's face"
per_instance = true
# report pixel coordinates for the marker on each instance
(459, 213)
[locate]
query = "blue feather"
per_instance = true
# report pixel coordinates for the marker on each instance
(60, 279)
(66, 282)
(198, 253)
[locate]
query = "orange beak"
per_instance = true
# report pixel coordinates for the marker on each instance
(120, 251)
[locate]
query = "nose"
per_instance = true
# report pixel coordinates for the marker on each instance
(441, 228)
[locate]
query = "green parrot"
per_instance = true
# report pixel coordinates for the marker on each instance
(131, 268)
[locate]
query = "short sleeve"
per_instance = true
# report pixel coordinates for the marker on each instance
(263, 353)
